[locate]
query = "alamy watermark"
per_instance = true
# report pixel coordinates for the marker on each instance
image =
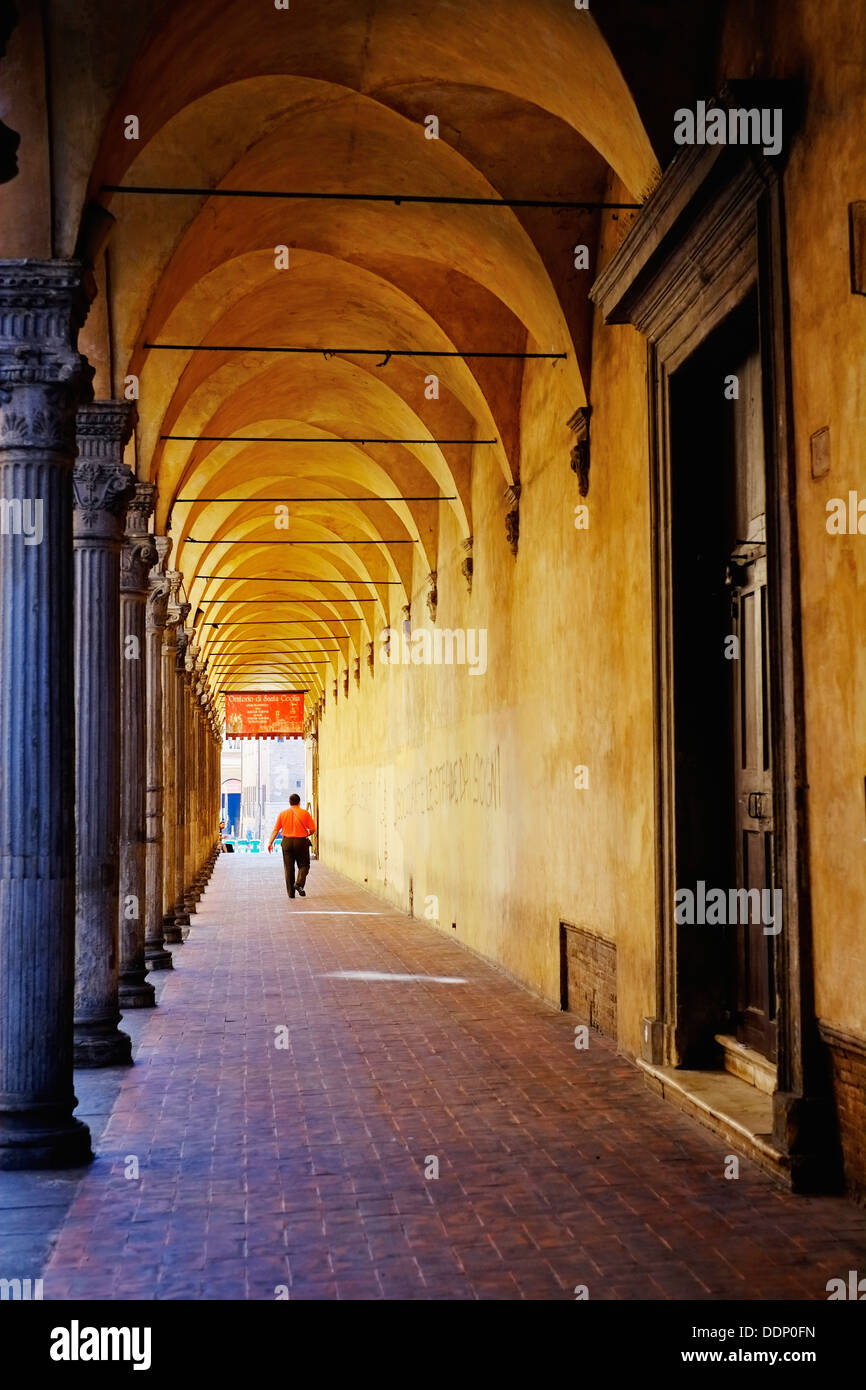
(435, 647)
(22, 516)
(20, 1289)
(77, 1343)
(716, 907)
(729, 126)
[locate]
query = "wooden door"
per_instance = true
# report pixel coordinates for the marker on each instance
(753, 978)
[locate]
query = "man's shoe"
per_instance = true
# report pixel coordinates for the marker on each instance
(291, 895)
(302, 892)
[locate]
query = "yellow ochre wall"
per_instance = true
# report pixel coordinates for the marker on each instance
(825, 45)
(502, 838)
(569, 622)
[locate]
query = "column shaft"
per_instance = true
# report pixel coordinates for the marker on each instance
(103, 489)
(155, 954)
(43, 380)
(139, 554)
(189, 782)
(171, 928)
(181, 916)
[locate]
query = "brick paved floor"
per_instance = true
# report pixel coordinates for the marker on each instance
(304, 1165)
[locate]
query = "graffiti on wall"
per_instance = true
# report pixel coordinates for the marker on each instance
(473, 779)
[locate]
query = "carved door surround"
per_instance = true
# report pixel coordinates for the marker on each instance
(711, 235)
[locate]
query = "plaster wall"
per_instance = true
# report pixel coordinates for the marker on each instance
(459, 789)
(825, 46)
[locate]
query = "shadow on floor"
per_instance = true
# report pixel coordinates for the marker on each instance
(34, 1205)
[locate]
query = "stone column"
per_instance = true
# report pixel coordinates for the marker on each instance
(159, 581)
(138, 555)
(103, 487)
(171, 930)
(212, 802)
(191, 656)
(194, 782)
(43, 380)
(181, 916)
(216, 787)
(200, 853)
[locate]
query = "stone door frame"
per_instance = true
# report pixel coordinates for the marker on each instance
(712, 233)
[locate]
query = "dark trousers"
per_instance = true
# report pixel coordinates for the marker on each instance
(296, 853)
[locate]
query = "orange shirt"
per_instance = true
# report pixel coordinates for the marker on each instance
(294, 823)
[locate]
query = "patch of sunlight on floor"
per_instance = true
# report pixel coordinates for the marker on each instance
(384, 975)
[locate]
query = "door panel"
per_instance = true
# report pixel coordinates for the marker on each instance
(753, 1005)
(722, 715)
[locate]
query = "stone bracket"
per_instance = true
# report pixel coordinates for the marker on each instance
(579, 424)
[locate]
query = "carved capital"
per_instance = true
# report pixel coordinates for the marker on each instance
(140, 509)
(102, 484)
(103, 429)
(43, 377)
(183, 637)
(139, 549)
(199, 683)
(173, 610)
(101, 491)
(159, 587)
(190, 653)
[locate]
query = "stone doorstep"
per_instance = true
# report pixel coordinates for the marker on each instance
(730, 1107)
(748, 1064)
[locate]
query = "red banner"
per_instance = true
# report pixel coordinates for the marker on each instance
(264, 714)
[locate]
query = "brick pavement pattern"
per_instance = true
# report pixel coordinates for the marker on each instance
(303, 1165)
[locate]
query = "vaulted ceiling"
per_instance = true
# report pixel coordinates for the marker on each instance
(531, 104)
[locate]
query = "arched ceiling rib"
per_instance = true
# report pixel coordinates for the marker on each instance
(541, 51)
(530, 103)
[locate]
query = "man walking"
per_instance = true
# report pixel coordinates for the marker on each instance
(295, 825)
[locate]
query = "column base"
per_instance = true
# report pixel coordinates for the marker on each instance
(158, 959)
(98, 1046)
(180, 919)
(136, 993)
(31, 1139)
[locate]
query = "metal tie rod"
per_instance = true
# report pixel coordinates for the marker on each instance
(385, 353)
(586, 205)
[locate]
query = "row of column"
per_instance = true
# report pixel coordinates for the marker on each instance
(109, 742)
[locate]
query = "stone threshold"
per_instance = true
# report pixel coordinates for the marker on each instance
(750, 1066)
(729, 1106)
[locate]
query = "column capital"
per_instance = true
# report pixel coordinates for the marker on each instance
(101, 492)
(173, 612)
(139, 549)
(43, 377)
(104, 428)
(159, 584)
(184, 634)
(190, 655)
(102, 483)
